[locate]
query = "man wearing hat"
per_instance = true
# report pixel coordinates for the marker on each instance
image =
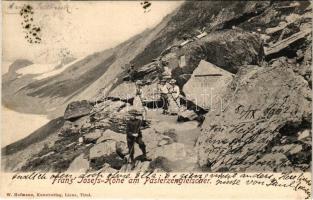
(167, 74)
(174, 89)
(138, 87)
(174, 101)
(164, 95)
(134, 135)
(138, 102)
(131, 72)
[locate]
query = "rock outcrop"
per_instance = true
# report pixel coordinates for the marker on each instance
(77, 109)
(264, 106)
(102, 150)
(244, 48)
(207, 84)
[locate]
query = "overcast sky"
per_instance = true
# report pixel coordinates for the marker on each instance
(80, 27)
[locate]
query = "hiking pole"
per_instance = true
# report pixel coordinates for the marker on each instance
(175, 100)
(131, 149)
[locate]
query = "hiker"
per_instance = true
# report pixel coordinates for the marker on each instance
(159, 68)
(173, 96)
(167, 74)
(163, 70)
(137, 100)
(137, 103)
(134, 135)
(131, 73)
(164, 95)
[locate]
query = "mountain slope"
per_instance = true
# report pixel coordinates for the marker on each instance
(81, 80)
(263, 122)
(27, 93)
(84, 79)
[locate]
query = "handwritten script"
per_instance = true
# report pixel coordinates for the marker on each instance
(297, 182)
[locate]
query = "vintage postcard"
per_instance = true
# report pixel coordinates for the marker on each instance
(156, 99)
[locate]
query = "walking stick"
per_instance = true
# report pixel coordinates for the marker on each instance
(131, 149)
(174, 99)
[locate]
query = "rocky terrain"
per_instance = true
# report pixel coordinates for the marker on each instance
(256, 56)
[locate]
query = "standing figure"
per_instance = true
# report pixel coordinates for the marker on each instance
(174, 100)
(164, 96)
(167, 74)
(138, 101)
(134, 135)
(131, 72)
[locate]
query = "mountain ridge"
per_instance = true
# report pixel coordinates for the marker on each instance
(263, 129)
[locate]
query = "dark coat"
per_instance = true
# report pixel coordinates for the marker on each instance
(133, 126)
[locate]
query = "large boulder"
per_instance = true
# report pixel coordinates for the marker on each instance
(77, 109)
(262, 107)
(207, 85)
(105, 152)
(79, 165)
(121, 148)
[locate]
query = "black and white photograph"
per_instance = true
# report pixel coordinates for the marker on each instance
(156, 86)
